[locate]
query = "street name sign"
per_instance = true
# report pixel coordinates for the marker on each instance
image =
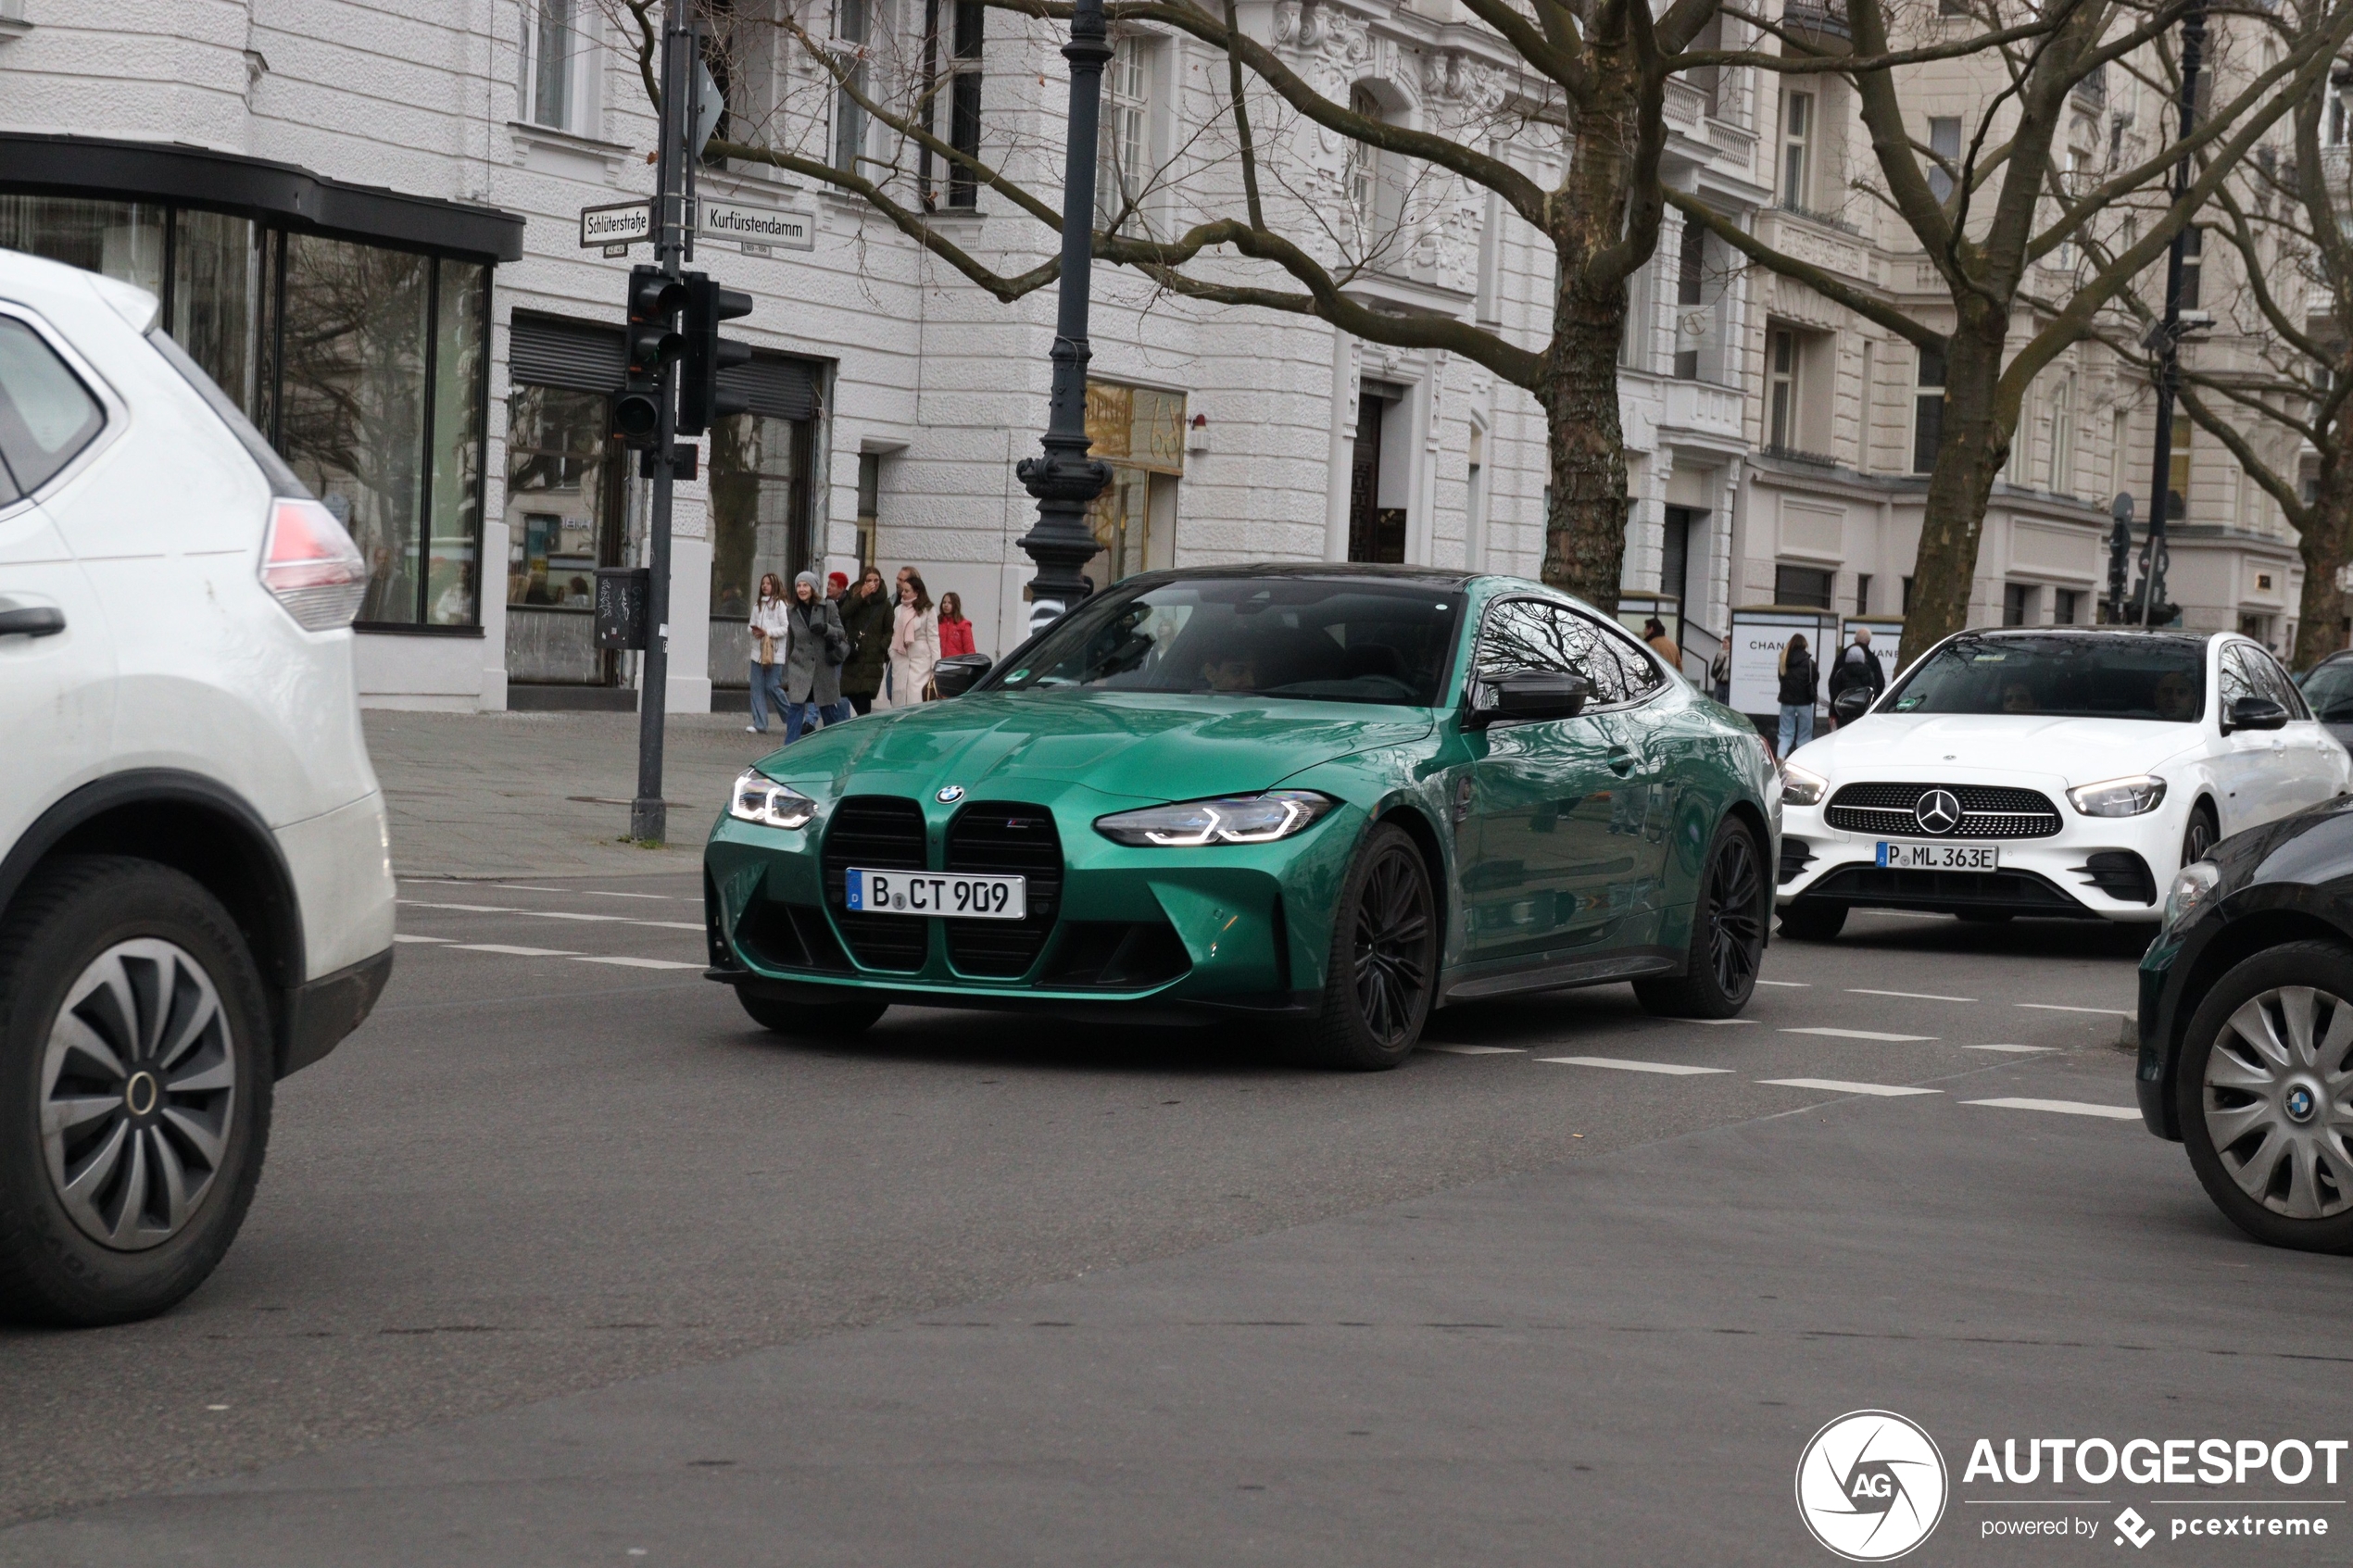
(769, 227)
(622, 224)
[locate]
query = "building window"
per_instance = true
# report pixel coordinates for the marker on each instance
(2063, 435)
(1140, 432)
(1797, 128)
(869, 506)
(962, 90)
(1363, 168)
(2067, 605)
(551, 48)
(1780, 398)
(849, 120)
(2020, 601)
(1944, 142)
(2192, 261)
(1126, 167)
(2177, 477)
(1928, 409)
(1805, 586)
(563, 521)
(1907, 609)
(1707, 80)
(758, 508)
(1691, 277)
(1862, 592)
(2340, 119)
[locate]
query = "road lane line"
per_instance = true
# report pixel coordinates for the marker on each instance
(2064, 1108)
(571, 914)
(513, 951)
(589, 892)
(1478, 1050)
(404, 937)
(1840, 1086)
(1710, 1023)
(1622, 1065)
(1908, 996)
(557, 914)
(1794, 985)
(2060, 1007)
(469, 909)
(1857, 1034)
(633, 963)
(2019, 1049)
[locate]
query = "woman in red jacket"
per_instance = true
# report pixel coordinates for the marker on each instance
(955, 631)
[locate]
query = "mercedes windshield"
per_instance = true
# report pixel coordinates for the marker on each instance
(2091, 675)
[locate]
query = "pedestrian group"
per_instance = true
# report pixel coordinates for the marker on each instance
(820, 656)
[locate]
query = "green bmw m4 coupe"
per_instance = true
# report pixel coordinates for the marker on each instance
(1316, 800)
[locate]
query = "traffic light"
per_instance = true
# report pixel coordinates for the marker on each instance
(652, 341)
(706, 353)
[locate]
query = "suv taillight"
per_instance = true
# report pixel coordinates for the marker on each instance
(311, 566)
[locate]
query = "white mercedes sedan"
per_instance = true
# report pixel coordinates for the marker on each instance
(2057, 772)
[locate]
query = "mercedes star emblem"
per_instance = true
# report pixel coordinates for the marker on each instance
(1938, 811)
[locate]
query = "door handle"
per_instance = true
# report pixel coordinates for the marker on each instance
(39, 621)
(1621, 760)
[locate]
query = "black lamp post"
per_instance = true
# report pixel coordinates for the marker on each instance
(1066, 479)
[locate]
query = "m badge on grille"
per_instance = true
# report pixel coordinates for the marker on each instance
(1938, 811)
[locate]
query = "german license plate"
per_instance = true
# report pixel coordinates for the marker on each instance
(1941, 857)
(945, 894)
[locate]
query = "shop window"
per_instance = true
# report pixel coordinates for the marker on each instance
(453, 516)
(1140, 432)
(1806, 586)
(564, 509)
(758, 508)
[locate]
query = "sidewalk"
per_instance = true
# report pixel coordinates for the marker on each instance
(503, 794)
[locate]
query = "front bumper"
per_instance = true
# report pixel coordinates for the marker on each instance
(1176, 933)
(2093, 868)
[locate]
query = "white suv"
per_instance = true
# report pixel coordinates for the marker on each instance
(195, 887)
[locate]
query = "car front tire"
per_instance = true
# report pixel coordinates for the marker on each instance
(2264, 1089)
(1728, 934)
(135, 1087)
(1384, 960)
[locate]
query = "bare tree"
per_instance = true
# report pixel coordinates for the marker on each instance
(1989, 217)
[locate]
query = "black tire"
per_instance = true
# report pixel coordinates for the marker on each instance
(155, 926)
(1383, 968)
(1810, 921)
(1983, 917)
(2198, 836)
(2328, 969)
(816, 1021)
(1728, 933)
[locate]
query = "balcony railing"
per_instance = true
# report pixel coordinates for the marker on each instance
(1817, 16)
(1798, 455)
(1813, 215)
(2092, 88)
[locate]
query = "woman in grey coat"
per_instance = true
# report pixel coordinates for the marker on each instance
(814, 651)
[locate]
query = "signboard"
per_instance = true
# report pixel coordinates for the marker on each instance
(1758, 637)
(622, 223)
(755, 227)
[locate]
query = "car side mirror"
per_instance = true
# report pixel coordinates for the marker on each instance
(1851, 704)
(955, 674)
(2257, 713)
(1535, 693)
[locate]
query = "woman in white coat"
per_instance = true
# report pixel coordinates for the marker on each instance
(914, 642)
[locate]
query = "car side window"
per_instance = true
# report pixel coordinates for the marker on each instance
(47, 415)
(1640, 672)
(2235, 682)
(2273, 683)
(1521, 634)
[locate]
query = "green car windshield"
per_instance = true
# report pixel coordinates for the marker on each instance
(1318, 639)
(2124, 675)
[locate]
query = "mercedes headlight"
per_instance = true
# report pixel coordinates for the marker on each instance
(2118, 797)
(2192, 890)
(1242, 819)
(759, 798)
(1801, 788)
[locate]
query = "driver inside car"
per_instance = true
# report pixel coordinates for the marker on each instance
(2175, 699)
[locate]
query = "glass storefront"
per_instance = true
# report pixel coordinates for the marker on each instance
(1140, 432)
(761, 513)
(564, 519)
(364, 364)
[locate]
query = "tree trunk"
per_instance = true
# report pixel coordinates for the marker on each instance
(1585, 524)
(2326, 543)
(1973, 445)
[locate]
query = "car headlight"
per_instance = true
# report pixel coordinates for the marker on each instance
(759, 798)
(1242, 819)
(2118, 797)
(1800, 787)
(2192, 890)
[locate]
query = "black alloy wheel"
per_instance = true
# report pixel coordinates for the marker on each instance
(1727, 936)
(1384, 959)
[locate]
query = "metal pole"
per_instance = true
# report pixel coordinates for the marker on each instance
(648, 817)
(2154, 552)
(1066, 478)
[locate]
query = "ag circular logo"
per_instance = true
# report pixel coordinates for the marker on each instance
(1938, 810)
(1870, 1486)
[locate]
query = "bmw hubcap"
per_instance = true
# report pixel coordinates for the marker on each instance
(136, 1090)
(1392, 946)
(2276, 1101)
(1735, 932)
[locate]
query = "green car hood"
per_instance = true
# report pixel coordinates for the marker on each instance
(1144, 746)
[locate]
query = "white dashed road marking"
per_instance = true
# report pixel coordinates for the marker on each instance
(404, 937)
(1478, 1050)
(2019, 1049)
(555, 914)
(1621, 1064)
(1858, 1034)
(2060, 1007)
(1711, 1022)
(591, 892)
(1908, 996)
(2064, 1108)
(518, 952)
(1840, 1087)
(637, 963)
(469, 908)
(1794, 985)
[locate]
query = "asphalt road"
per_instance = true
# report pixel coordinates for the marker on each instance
(561, 1260)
